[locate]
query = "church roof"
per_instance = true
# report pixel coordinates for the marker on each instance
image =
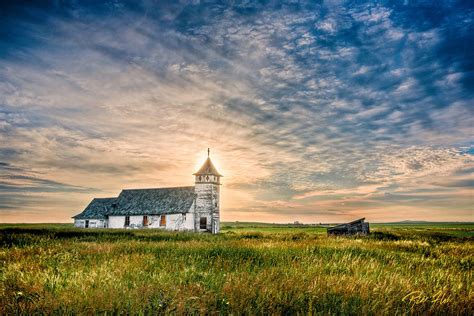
(208, 168)
(97, 208)
(154, 201)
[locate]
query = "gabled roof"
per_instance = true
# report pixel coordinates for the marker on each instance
(208, 168)
(97, 208)
(347, 225)
(154, 201)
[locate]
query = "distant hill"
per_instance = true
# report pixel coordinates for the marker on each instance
(410, 222)
(227, 225)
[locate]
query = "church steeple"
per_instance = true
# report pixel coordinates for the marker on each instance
(208, 172)
(206, 203)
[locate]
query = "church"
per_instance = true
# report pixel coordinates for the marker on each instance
(191, 208)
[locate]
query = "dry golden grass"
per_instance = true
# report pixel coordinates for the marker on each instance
(394, 271)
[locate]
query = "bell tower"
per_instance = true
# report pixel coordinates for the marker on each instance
(206, 204)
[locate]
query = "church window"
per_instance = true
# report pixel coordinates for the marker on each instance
(163, 221)
(145, 220)
(207, 178)
(127, 221)
(203, 223)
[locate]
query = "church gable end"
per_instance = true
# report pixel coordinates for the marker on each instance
(97, 209)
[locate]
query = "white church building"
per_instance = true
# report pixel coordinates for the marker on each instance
(192, 208)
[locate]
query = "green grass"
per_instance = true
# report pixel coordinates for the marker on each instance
(248, 269)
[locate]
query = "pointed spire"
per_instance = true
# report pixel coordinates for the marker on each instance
(208, 167)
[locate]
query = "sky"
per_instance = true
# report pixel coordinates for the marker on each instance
(314, 111)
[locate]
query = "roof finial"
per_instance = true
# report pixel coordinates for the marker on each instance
(208, 152)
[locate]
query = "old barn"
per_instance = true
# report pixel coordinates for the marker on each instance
(356, 227)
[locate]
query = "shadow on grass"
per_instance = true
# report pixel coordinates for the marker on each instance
(383, 236)
(429, 236)
(10, 237)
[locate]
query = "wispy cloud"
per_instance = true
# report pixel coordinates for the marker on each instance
(313, 112)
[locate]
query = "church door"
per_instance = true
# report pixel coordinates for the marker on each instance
(203, 223)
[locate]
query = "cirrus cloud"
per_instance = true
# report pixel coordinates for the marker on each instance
(317, 112)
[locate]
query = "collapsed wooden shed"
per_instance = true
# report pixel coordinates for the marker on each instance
(353, 228)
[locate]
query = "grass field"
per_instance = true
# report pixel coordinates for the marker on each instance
(250, 268)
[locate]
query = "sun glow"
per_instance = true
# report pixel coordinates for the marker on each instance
(215, 158)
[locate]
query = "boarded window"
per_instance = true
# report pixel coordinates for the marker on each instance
(163, 220)
(127, 221)
(145, 220)
(203, 223)
(87, 223)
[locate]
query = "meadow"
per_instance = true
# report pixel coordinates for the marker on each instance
(247, 269)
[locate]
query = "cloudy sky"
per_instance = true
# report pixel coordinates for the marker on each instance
(313, 112)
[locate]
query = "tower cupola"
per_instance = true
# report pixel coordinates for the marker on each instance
(208, 172)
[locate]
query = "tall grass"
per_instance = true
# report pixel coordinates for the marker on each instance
(393, 271)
